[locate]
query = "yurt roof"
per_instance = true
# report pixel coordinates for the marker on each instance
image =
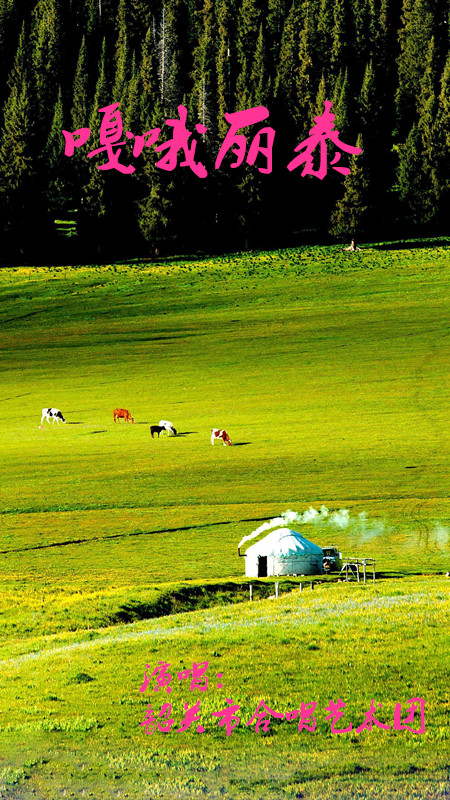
(284, 542)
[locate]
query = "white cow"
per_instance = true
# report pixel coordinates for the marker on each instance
(52, 413)
(169, 426)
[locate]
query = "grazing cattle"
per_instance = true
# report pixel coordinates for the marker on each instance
(216, 433)
(156, 429)
(122, 413)
(168, 426)
(52, 414)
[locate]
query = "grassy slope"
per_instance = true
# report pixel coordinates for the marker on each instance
(75, 707)
(328, 368)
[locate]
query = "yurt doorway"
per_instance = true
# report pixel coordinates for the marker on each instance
(262, 566)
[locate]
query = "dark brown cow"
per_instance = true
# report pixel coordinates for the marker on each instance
(122, 413)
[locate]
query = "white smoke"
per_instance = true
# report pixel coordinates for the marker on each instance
(441, 535)
(339, 520)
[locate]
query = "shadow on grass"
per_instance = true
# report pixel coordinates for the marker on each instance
(133, 533)
(190, 598)
(185, 433)
(14, 397)
(240, 444)
(410, 245)
(74, 423)
(89, 433)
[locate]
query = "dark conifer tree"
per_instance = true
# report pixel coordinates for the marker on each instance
(442, 144)
(247, 29)
(306, 79)
(287, 69)
(57, 192)
(223, 66)
(414, 37)
(79, 111)
(339, 37)
(46, 60)
(92, 200)
(22, 212)
(204, 104)
(348, 220)
(419, 192)
(122, 64)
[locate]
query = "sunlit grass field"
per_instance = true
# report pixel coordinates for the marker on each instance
(329, 370)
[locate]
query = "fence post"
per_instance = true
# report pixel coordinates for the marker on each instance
(251, 592)
(276, 589)
(364, 570)
(300, 588)
(312, 584)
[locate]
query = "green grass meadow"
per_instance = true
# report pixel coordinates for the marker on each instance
(329, 370)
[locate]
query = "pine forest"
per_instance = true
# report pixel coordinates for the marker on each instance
(383, 64)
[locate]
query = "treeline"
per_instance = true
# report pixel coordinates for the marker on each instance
(384, 64)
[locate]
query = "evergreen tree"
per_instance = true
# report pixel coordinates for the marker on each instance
(341, 104)
(320, 97)
(57, 190)
(223, 66)
(410, 180)
(6, 11)
(325, 24)
(426, 107)
(172, 71)
(131, 110)
(442, 143)
(305, 73)
(276, 13)
(420, 192)
(92, 200)
(148, 72)
(368, 110)
(93, 19)
(414, 38)
(348, 220)
(247, 29)
(122, 59)
(102, 96)
(363, 13)
(287, 70)
(339, 40)
(259, 79)
(46, 58)
(21, 212)
(79, 113)
(203, 106)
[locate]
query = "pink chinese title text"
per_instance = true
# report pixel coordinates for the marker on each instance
(111, 141)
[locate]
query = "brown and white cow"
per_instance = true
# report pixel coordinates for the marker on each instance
(216, 433)
(122, 413)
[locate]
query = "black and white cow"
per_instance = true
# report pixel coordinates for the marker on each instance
(52, 414)
(168, 426)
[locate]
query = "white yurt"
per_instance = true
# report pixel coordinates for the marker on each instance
(283, 552)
